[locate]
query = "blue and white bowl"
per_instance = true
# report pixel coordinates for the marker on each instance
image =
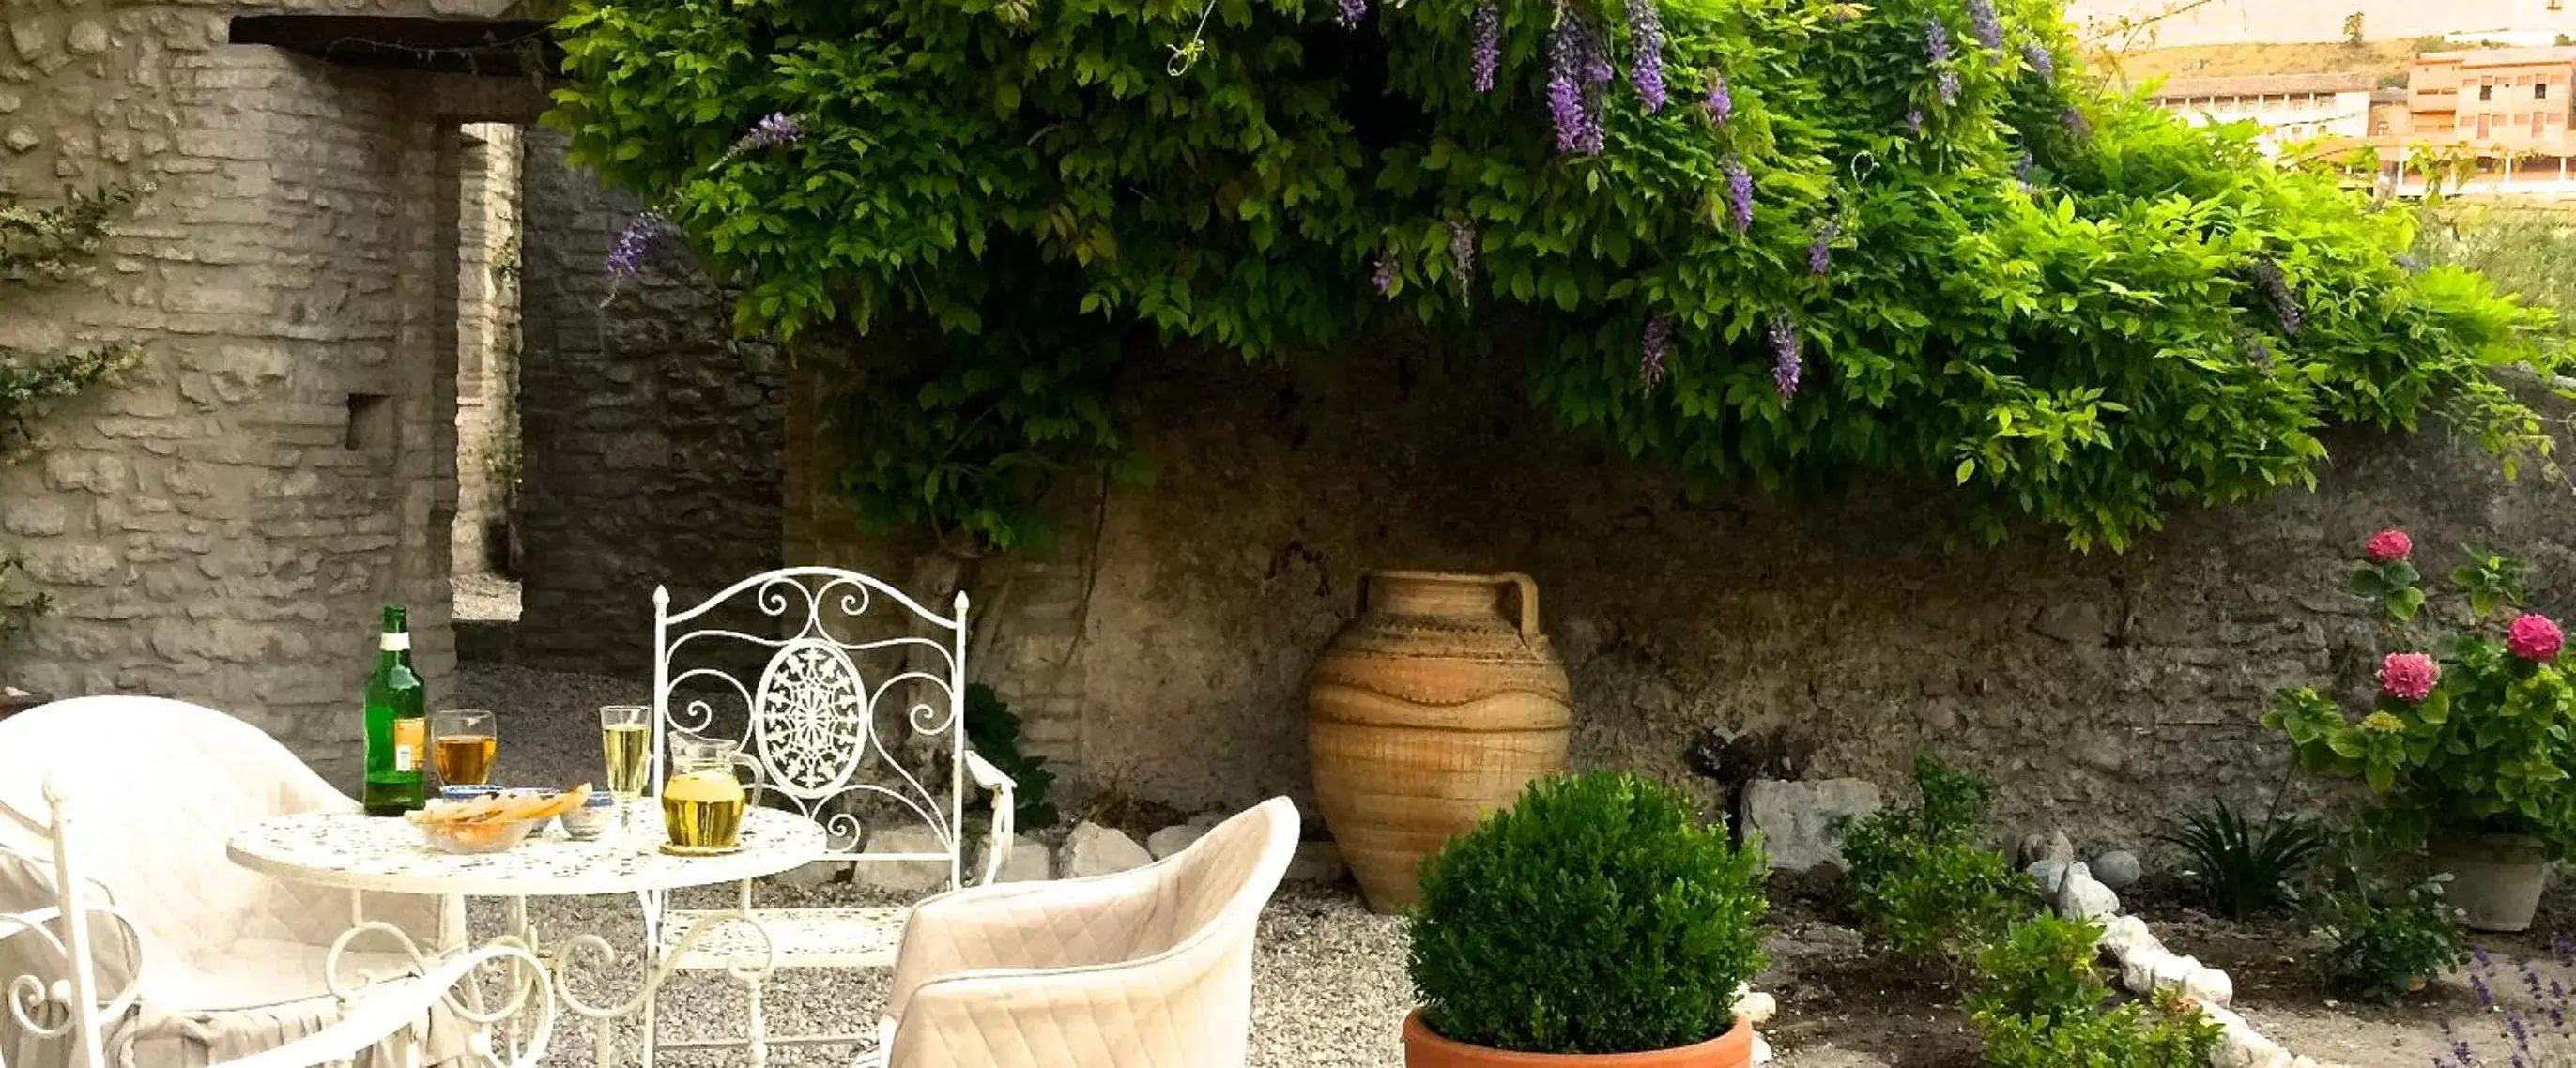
(585, 823)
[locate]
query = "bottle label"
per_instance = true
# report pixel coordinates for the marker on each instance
(409, 739)
(398, 641)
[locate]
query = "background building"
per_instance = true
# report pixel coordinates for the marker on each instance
(2290, 107)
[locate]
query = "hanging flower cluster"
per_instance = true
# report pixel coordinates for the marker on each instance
(1384, 276)
(1646, 52)
(1820, 252)
(1936, 48)
(1983, 22)
(1462, 251)
(1488, 45)
(1785, 359)
(1721, 100)
(1574, 66)
(1739, 196)
(1651, 347)
(2275, 291)
(2042, 61)
(1350, 14)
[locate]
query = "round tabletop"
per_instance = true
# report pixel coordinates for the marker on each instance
(360, 852)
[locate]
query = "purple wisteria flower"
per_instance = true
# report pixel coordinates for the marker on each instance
(1646, 52)
(2042, 61)
(2478, 985)
(1936, 41)
(2259, 350)
(1571, 61)
(1936, 51)
(1785, 361)
(2022, 166)
(1914, 122)
(1350, 14)
(1384, 277)
(1739, 196)
(626, 257)
(1462, 251)
(1988, 28)
(2077, 126)
(1820, 252)
(2275, 290)
(1721, 100)
(2564, 948)
(1488, 23)
(1652, 344)
(773, 130)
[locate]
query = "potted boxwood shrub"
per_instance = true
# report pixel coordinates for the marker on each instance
(1597, 923)
(2471, 746)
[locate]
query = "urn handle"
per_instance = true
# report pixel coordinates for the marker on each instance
(1529, 603)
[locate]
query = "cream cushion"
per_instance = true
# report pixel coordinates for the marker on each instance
(236, 957)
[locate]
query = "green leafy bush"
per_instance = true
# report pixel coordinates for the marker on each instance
(2038, 1003)
(2481, 739)
(1893, 248)
(2387, 927)
(993, 732)
(1597, 915)
(1924, 890)
(2244, 868)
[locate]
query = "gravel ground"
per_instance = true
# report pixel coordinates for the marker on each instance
(1329, 984)
(1330, 979)
(485, 598)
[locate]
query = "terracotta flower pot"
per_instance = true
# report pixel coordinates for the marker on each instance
(1423, 1049)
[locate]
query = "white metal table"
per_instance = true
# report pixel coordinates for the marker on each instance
(360, 853)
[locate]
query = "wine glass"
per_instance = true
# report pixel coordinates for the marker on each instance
(626, 739)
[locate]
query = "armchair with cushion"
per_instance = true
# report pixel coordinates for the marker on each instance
(1147, 968)
(237, 957)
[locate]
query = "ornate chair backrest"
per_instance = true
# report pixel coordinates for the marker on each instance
(48, 975)
(859, 701)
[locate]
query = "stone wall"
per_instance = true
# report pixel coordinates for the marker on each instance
(487, 347)
(1160, 649)
(1857, 627)
(222, 525)
(650, 437)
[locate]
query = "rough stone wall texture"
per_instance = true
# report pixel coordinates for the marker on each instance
(487, 346)
(650, 437)
(2103, 692)
(223, 524)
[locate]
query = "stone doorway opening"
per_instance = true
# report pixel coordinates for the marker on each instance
(485, 550)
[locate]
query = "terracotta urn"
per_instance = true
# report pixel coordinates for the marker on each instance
(1430, 709)
(1424, 1049)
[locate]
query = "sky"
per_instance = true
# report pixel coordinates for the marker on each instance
(2242, 21)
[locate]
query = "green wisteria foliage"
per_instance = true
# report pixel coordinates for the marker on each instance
(1764, 240)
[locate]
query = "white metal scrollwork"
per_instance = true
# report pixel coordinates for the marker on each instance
(811, 717)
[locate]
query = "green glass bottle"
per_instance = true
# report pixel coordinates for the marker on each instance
(397, 726)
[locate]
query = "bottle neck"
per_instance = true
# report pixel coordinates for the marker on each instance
(394, 649)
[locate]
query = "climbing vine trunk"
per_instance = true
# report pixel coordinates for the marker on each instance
(1429, 710)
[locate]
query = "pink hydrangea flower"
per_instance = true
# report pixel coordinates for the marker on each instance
(2389, 546)
(2408, 676)
(2534, 637)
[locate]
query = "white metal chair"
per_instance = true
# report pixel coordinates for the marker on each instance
(239, 958)
(844, 648)
(59, 1013)
(1146, 968)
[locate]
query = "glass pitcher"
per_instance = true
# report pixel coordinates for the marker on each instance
(703, 802)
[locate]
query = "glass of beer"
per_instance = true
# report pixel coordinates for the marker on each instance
(462, 746)
(626, 738)
(702, 804)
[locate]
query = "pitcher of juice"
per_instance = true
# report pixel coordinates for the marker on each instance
(703, 802)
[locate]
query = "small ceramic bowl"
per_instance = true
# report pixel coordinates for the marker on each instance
(588, 821)
(453, 794)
